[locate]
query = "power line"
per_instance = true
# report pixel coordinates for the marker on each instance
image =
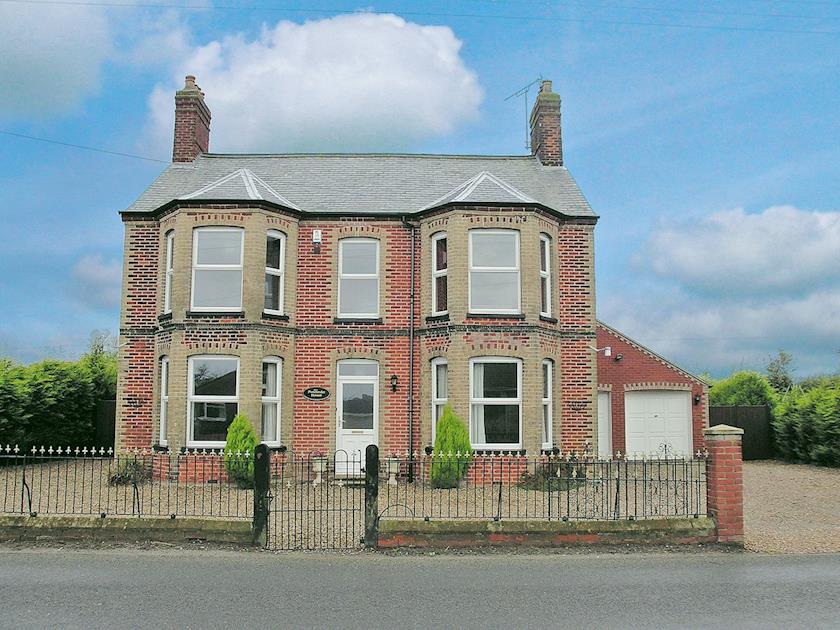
(81, 146)
(473, 16)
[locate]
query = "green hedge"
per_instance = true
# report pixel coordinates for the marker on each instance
(807, 426)
(53, 403)
(743, 388)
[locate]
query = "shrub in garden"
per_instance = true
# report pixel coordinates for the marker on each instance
(743, 388)
(130, 471)
(239, 451)
(451, 438)
(807, 426)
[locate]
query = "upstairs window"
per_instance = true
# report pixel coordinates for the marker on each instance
(496, 403)
(439, 275)
(217, 269)
(545, 275)
(275, 265)
(167, 286)
(358, 278)
(213, 399)
(494, 271)
(440, 391)
(272, 368)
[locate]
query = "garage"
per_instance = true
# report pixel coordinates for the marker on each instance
(655, 418)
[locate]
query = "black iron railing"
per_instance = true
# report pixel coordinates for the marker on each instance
(56, 481)
(503, 487)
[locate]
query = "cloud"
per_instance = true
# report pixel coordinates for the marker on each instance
(726, 292)
(51, 57)
(97, 282)
(352, 82)
(782, 249)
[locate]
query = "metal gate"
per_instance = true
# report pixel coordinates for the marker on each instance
(315, 501)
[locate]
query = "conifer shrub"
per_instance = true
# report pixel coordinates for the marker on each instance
(452, 452)
(239, 451)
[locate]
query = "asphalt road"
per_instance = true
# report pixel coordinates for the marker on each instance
(214, 589)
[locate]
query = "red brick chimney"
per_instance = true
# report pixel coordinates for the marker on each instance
(546, 139)
(192, 123)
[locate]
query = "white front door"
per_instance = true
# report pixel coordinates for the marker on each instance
(658, 423)
(604, 425)
(357, 402)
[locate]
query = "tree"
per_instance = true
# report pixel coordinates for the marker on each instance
(239, 451)
(452, 452)
(743, 388)
(778, 372)
(100, 362)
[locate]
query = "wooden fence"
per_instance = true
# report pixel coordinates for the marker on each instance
(754, 420)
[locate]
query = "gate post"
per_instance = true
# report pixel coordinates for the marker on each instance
(371, 496)
(262, 459)
(724, 482)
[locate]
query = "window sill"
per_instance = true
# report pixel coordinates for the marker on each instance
(276, 447)
(547, 318)
(165, 317)
(215, 314)
(275, 316)
(519, 316)
(433, 319)
(357, 320)
(160, 448)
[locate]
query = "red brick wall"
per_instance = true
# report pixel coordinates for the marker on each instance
(640, 368)
(137, 326)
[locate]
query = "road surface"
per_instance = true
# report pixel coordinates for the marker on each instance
(220, 589)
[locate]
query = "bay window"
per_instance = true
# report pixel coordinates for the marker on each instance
(213, 399)
(439, 275)
(440, 391)
(547, 398)
(272, 368)
(275, 264)
(494, 271)
(167, 286)
(358, 278)
(217, 269)
(496, 402)
(545, 275)
(164, 399)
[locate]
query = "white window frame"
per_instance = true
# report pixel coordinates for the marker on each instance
(164, 400)
(545, 274)
(191, 397)
(439, 273)
(167, 281)
(548, 403)
(515, 269)
(436, 400)
(496, 401)
(273, 400)
(351, 276)
(239, 267)
(279, 272)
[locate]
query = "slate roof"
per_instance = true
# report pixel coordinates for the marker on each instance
(366, 184)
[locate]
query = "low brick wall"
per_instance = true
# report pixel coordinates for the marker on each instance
(126, 529)
(469, 533)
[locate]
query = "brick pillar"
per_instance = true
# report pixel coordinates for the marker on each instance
(725, 482)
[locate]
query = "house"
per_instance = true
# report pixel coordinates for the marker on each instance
(340, 300)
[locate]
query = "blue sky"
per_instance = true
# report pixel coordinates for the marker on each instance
(708, 147)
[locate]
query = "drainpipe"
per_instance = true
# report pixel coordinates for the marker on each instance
(410, 398)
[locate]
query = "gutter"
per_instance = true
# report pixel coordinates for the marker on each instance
(411, 332)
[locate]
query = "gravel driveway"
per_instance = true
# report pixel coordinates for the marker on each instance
(791, 508)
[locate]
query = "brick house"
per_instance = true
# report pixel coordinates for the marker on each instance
(342, 299)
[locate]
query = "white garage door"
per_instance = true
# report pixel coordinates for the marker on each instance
(655, 418)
